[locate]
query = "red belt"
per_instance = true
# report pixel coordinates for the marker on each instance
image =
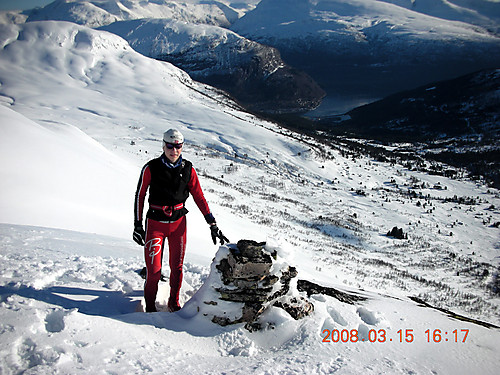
(168, 210)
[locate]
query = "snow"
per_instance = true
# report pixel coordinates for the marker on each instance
(68, 307)
(360, 19)
(484, 13)
(90, 198)
(95, 13)
(162, 37)
(81, 112)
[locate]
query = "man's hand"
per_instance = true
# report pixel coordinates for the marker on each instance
(217, 234)
(139, 236)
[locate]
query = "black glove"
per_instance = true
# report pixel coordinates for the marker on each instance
(216, 233)
(139, 236)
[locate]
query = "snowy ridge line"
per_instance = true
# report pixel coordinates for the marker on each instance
(220, 97)
(453, 315)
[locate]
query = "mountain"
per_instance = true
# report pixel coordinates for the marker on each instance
(356, 51)
(252, 73)
(95, 13)
(483, 13)
(12, 17)
(453, 121)
(81, 112)
(465, 106)
(362, 50)
(190, 34)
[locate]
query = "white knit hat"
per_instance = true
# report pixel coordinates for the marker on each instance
(173, 136)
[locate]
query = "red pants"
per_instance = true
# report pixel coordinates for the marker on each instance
(156, 232)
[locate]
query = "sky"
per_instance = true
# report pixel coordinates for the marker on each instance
(22, 4)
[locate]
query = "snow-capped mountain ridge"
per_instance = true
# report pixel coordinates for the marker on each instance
(325, 17)
(252, 73)
(95, 13)
(158, 38)
(480, 13)
(336, 42)
(368, 49)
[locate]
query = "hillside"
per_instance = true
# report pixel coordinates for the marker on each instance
(465, 106)
(453, 121)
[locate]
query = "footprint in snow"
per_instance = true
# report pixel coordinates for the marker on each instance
(339, 319)
(367, 316)
(54, 321)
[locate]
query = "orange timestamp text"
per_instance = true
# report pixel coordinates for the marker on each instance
(402, 335)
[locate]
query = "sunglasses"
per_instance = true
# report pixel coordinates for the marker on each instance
(171, 145)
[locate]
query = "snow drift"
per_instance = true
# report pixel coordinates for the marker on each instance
(57, 176)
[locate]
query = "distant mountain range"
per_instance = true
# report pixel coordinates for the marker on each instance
(356, 51)
(367, 49)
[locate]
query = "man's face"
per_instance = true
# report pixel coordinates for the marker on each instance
(172, 152)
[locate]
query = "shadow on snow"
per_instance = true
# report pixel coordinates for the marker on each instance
(119, 306)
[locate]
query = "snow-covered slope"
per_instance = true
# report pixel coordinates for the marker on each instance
(204, 49)
(56, 176)
(484, 13)
(68, 299)
(97, 65)
(95, 13)
(68, 307)
(12, 17)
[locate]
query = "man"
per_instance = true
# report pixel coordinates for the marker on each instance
(170, 180)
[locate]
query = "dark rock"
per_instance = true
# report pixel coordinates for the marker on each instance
(285, 279)
(223, 321)
(297, 307)
(397, 233)
(249, 268)
(251, 311)
(249, 248)
(244, 295)
(311, 288)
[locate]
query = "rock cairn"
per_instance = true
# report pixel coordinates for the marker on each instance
(253, 280)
